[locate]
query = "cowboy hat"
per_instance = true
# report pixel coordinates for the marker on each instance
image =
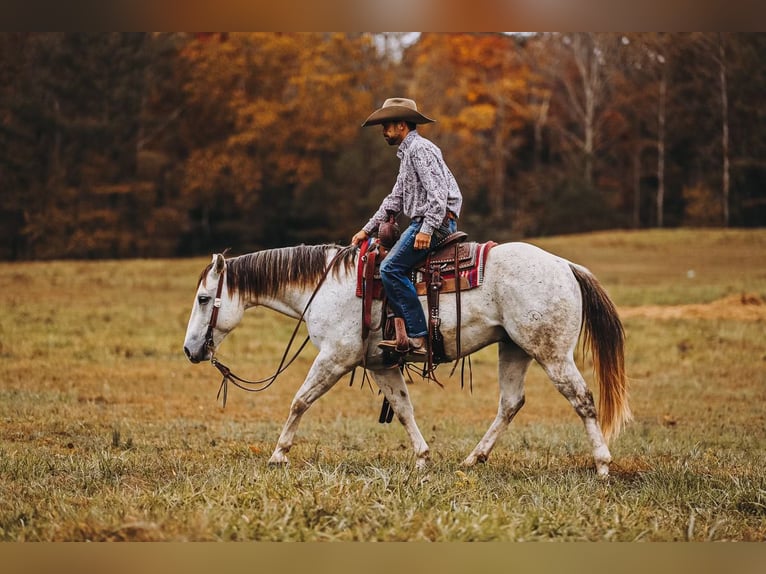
(397, 109)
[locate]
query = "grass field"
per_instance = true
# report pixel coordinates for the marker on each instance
(108, 433)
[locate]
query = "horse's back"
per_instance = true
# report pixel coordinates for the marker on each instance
(527, 263)
(539, 296)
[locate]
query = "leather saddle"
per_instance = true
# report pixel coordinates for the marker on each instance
(451, 256)
(442, 256)
(453, 266)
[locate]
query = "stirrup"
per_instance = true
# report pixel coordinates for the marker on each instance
(412, 350)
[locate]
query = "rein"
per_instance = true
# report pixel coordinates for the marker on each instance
(265, 383)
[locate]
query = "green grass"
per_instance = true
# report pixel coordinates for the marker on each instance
(108, 433)
(668, 267)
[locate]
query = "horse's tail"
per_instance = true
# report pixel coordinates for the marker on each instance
(604, 334)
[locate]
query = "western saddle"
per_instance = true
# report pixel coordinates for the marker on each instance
(441, 272)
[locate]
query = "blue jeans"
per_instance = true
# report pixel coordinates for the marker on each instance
(395, 273)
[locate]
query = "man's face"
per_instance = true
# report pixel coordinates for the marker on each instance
(394, 132)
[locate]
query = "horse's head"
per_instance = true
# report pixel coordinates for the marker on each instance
(214, 315)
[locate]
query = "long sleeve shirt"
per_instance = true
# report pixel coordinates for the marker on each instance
(425, 187)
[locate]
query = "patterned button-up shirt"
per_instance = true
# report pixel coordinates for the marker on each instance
(425, 187)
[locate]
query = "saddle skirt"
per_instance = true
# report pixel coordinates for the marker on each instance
(472, 258)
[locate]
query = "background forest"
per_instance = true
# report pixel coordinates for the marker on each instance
(157, 145)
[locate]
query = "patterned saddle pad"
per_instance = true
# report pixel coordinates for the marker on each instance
(472, 258)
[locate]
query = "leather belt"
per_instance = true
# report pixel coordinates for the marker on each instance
(450, 216)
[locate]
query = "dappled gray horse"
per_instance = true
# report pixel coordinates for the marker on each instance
(532, 304)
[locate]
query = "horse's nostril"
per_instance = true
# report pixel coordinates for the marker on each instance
(194, 359)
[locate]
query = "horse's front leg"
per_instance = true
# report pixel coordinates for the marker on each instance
(324, 373)
(392, 383)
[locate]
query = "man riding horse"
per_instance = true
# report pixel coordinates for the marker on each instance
(427, 193)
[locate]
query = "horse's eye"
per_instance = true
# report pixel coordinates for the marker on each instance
(203, 299)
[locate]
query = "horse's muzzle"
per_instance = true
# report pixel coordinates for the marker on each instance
(194, 358)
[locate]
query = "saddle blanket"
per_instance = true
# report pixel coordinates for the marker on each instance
(472, 259)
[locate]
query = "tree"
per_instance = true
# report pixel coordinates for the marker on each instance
(583, 73)
(643, 99)
(746, 54)
(74, 113)
(477, 85)
(154, 144)
(584, 131)
(279, 109)
(714, 49)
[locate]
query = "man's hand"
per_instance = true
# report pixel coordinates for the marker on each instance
(422, 241)
(359, 237)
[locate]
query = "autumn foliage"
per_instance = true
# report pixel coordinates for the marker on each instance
(147, 144)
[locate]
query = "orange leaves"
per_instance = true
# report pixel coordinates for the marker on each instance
(256, 116)
(268, 112)
(478, 117)
(478, 86)
(477, 72)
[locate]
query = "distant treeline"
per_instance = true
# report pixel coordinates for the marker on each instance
(157, 145)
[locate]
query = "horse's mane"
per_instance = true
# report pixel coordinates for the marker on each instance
(265, 273)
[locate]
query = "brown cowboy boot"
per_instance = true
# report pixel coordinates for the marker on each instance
(404, 344)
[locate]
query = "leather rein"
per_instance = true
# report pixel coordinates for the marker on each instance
(265, 383)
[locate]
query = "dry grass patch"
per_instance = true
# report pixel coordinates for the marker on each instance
(741, 307)
(108, 433)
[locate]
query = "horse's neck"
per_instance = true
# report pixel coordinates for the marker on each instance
(292, 299)
(290, 302)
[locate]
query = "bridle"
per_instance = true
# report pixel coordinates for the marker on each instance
(214, 316)
(228, 375)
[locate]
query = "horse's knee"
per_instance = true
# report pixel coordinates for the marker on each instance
(509, 409)
(298, 406)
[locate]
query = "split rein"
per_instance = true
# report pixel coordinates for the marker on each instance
(265, 383)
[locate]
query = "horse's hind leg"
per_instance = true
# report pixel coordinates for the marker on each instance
(513, 363)
(392, 383)
(570, 383)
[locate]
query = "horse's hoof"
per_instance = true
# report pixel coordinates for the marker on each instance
(603, 458)
(278, 460)
(473, 459)
(421, 464)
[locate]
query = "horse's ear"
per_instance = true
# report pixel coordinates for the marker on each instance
(219, 263)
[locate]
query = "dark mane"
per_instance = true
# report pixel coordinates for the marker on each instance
(267, 272)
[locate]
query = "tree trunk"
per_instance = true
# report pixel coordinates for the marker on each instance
(637, 186)
(498, 183)
(591, 83)
(540, 121)
(661, 146)
(724, 127)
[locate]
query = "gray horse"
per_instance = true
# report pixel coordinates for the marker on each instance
(532, 303)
